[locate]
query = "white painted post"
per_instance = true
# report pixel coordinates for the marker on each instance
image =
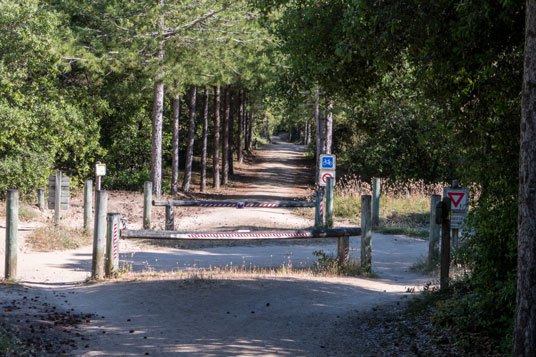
(319, 209)
(329, 202)
(170, 218)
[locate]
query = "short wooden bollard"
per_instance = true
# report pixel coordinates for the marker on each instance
(12, 227)
(433, 243)
(376, 193)
(57, 198)
(88, 202)
(41, 199)
(343, 249)
(112, 245)
(366, 233)
(170, 218)
(99, 235)
(147, 204)
(319, 209)
(329, 202)
(445, 244)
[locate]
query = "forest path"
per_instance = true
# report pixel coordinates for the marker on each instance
(216, 314)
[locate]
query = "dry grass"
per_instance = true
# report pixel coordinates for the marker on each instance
(27, 212)
(50, 238)
(331, 269)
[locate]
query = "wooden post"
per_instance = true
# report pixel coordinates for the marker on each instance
(433, 243)
(329, 202)
(170, 218)
(12, 227)
(376, 192)
(99, 235)
(319, 209)
(445, 244)
(112, 245)
(41, 199)
(343, 249)
(57, 198)
(366, 233)
(88, 202)
(147, 198)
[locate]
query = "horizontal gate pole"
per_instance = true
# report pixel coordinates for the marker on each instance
(253, 235)
(237, 204)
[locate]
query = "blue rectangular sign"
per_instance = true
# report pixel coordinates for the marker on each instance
(327, 162)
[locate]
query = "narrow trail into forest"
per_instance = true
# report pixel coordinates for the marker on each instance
(235, 314)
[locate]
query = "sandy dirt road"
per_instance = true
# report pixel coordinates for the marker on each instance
(218, 315)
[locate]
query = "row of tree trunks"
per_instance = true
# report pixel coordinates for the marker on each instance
(244, 138)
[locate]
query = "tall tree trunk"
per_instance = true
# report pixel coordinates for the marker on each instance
(205, 142)
(225, 139)
(216, 154)
(158, 118)
(329, 128)
(241, 127)
(250, 129)
(191, 138)
(524, 343)
(175, 143)
(231, 133)
(318, 134)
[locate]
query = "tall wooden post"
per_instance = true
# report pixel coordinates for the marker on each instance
(88, 203)
(319, 209)
(147, 204)
(445, 244)
(329, 202)
(41, 199)
(433, 242)
(170, 218)
(12, 227)
(343, 250)
(99, 235)
(112, 245)
(376, 192)
(366, 233)
(57, 198)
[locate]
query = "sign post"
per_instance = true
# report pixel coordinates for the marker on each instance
(100, 170)
(327, 169)
(458, 208)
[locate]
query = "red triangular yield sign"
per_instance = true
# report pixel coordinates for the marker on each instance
(456, 197)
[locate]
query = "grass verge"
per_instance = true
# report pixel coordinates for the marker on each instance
(50, 238)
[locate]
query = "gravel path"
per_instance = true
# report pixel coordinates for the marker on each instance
(235, 315)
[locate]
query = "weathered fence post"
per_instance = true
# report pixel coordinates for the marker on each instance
(319, 209)
(170, 218)
(112, 245)
(433, 244)
(376, 193)
(329, 202)
(147, 198)
(41, 199)
(57, 198)
(88, 202)
(445, 244)
(99, 235)
(366, 233)
(12, 227)
(343, 249)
